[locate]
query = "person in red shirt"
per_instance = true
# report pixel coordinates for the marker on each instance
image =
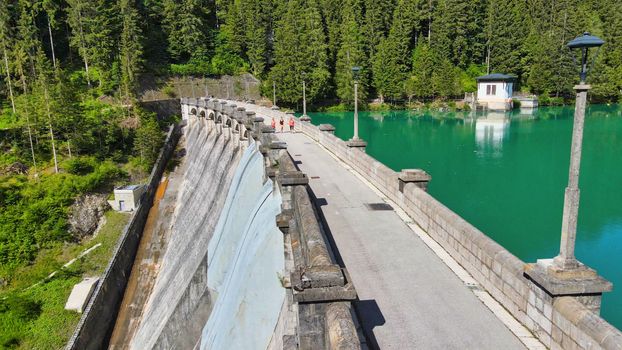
(291, 124)
(273, 123)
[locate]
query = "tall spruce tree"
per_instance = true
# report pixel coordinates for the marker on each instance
(300, 52)
(505, 33)
(377, 21)
(351, 53)
(233, 27)
(131, 48)
(392, 60)
(257, 26)
(458, 31)
(5, 44)
(187, 28)
(424, 63)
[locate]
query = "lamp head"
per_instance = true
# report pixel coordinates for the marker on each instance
(584, 43)
(356, 70)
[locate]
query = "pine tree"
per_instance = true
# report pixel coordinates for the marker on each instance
(331, 13)
(607, 73)
(505, 32)
(351, 53)
(424, 63)
(378, 16)
(300, 52)
(44, 91)
(26, 44)
(50, 8)
(94, 26)
(257, 15)
(187, 28)
(458, 31)
(131, 46)
(233, 27)
(444, 80)
(392, 60)
(5, 43)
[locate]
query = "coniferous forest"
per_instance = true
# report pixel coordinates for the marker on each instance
(72, 71)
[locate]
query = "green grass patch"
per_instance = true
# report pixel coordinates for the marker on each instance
(35, 318)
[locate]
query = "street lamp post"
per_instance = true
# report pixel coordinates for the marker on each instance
(355, 141)
(304, 96)
(355, 76)
(566, 258)
(274, 106)
(564, 275)
(192, 86)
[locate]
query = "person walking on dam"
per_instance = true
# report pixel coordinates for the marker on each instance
(291, 124)
(273, 123)
(281, 122)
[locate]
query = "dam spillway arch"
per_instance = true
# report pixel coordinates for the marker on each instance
(222, 280)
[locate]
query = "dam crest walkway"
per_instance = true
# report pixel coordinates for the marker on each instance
(409, 297)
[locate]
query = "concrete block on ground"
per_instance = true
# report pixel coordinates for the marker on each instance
(81, 294)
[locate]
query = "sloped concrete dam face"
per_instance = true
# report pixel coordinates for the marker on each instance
(218, 285)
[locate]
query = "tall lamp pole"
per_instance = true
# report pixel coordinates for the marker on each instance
(564, 275)
(355, 141)
(304, 117)
(355, 76)
(566, 258)
(304, 96)
(192, 86)
(274, 94)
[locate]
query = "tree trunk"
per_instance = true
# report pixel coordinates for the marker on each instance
(430, 22)
(488, 60)
(49, 113)
(51, 42)
(85, 57)
(32, 147)
(8, 77)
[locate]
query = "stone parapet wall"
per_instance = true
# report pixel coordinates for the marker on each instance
(316, 313)
(318, 287)
(97, 321)
(560, 322)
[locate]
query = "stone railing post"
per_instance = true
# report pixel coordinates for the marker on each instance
(417, 177)
(327, 128)
(357, 144)
(258, 124)
(240, 113)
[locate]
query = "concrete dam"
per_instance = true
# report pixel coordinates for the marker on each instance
(262, 240)
(222, 231)
(228, 250)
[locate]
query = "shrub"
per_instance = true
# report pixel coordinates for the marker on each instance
(336, 108)
(22, 308)
(79, 165)
(169, 91)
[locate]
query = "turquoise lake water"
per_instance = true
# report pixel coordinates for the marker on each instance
(506, 173)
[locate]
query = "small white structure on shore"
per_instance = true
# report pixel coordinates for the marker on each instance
(80, 294)
(127, 198)
(495, 91)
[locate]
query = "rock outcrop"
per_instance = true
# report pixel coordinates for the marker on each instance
(85, 214)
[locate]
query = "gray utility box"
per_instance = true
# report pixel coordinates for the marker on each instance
(127, 198)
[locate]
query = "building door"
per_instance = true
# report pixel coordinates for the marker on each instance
(121, 205)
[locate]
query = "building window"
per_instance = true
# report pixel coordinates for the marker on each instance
(491, 90)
